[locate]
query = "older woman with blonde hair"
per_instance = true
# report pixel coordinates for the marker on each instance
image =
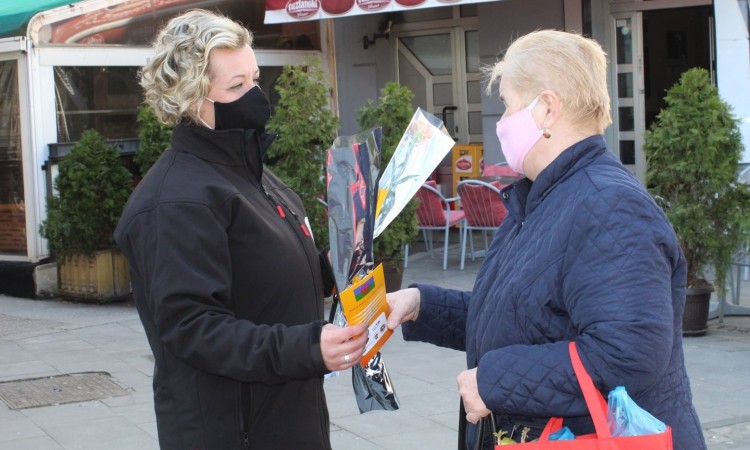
(226, 277)
(584, 255)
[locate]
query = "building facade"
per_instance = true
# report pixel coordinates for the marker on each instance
(68, 67)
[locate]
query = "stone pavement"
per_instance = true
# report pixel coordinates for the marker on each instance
(43, 338)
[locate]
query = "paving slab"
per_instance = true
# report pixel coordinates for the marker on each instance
(42, 338)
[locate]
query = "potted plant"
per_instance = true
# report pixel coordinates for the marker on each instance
(153, 138)
(92, 187)
(693, 151)
(393, 113)
(306, 126)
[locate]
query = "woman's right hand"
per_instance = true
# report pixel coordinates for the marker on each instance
(341, 348)
(403, 306)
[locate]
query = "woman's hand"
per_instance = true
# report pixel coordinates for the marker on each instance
(469, 390)
(403, 306)
(341, 348)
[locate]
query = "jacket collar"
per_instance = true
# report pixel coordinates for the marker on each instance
(240, 148)
(524, 196)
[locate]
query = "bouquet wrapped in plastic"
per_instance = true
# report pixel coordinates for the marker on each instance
(361, 203)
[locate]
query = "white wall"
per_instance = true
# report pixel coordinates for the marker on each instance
(499, 24)
(733, 64)
(360, 73)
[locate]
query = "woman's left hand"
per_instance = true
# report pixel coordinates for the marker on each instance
(469, 390)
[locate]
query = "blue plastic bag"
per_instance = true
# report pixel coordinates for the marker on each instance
(626, 418)
(563, 434)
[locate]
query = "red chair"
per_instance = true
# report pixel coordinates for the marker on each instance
(484, 211)
(435, 214)
(500, 170)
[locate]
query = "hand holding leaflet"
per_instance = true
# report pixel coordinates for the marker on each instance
(364, 302)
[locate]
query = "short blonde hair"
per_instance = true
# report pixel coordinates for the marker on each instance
(572, 66)
(177, 79)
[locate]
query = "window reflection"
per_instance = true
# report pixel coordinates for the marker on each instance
(627, 118)
(472, 51)
(103, 98)
(431, 52)
(627, 152)
(624, 42)
(12, 204)
(625, 85)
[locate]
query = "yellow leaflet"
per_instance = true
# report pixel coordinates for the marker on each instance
(364, 302)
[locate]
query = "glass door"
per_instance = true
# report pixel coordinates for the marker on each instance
(629, 115)
(12, 200)
(441, 67)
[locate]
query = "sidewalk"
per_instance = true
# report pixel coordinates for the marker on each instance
(42, 338)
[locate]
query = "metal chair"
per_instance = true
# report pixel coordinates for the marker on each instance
(499, 170)
(484, 211)
(435, 214)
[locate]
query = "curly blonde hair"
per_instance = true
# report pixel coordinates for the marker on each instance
(571, 65)
(177, 79)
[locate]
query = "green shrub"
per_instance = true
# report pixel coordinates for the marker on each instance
(92, 186)
(154, 137)
(306, 127)
(693, 152)
(393, 113)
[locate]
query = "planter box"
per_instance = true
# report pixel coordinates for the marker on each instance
(101, 277)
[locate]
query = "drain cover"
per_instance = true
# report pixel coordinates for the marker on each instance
(76, 387)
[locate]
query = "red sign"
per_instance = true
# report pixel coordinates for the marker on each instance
(280, 11)
(463, 164)
(302, 9)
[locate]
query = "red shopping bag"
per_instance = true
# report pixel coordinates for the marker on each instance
(602, 439)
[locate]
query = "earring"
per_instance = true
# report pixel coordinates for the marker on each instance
(546, 133)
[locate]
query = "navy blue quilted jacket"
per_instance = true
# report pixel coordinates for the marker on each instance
(584, 255)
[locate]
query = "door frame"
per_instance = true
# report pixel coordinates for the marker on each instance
(637, 101)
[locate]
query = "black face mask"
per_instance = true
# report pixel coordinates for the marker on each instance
(251, 111)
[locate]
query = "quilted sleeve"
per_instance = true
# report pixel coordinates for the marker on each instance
(442, 317)
(615, 283)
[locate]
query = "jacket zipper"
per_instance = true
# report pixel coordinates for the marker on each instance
(280, 211)
(245, 435)
(280, 205)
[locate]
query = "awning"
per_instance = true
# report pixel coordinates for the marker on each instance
(15, 14)
(280, 11)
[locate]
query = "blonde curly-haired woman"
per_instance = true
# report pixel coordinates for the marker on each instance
(226, 277)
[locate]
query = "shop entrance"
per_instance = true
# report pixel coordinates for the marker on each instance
(441, 67)
(652, 50)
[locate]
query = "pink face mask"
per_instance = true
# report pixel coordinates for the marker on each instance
(517, 134)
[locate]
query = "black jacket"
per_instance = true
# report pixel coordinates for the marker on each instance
(228, 285)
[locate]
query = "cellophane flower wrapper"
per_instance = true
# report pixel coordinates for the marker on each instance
(353, 167)
(353, 164)
(424, 144)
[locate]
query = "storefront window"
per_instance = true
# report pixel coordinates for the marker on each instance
(433, 52)
(136, 22)
(12, 205)
(102, 98)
